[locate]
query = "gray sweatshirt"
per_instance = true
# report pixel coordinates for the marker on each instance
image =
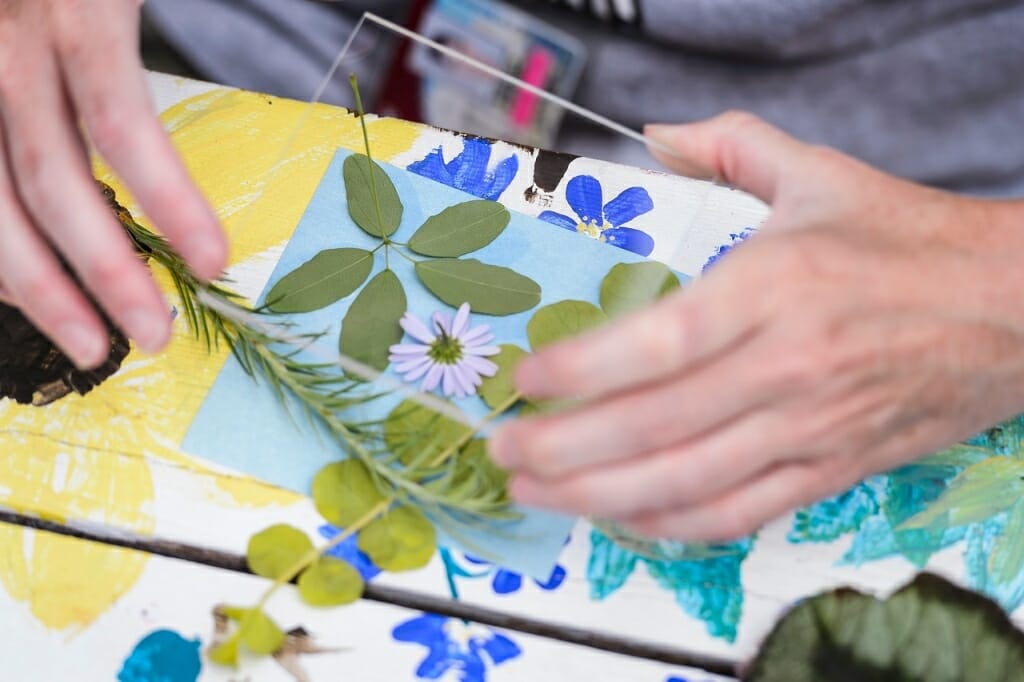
(932, 90)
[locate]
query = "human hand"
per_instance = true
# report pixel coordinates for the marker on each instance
(61, 62)
(870, 321)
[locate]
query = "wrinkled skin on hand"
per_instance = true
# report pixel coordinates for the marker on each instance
(869, 322)
(70, 77)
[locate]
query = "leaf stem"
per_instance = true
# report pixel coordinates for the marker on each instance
(369, 159)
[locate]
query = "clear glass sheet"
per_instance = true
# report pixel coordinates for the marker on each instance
(496, 114)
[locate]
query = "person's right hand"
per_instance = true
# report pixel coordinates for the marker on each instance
(65, 62)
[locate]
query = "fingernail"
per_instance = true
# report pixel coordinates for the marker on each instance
(659, 131)
(148, 329)
(83, 344)
(502, 448)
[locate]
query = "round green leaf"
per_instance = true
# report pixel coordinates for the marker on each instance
(632, 286)
(496, 390)
(371, 325)
(413, 432)
(276, 549)
(403, 539)
(461, 229)
(344, 492)
(330, 582)
(562, 320)
(488, 289)
(327, 277)
(360, 197)
(259, 634)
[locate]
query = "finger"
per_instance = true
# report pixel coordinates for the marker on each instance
(36, 282)
(54, 181)
(653, 418)
(97, 43)
(736, 147)
(677, 333)
(686, 475)
(745, 508)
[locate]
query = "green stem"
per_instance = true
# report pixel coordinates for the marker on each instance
(468, 436)
(369, 159)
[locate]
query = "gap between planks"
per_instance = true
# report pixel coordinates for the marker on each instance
(397, 597)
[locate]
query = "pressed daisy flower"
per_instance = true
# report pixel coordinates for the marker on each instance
(449, 354)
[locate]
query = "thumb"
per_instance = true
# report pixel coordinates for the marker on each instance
(736, 148)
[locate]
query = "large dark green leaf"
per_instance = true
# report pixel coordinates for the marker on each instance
(488, 289)
(461, 229)
(371, 325)
(378, 220)
(327, 277)
(929, 631)
(632, 286)
(562, 320)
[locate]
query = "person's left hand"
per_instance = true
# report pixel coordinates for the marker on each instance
(871, 321)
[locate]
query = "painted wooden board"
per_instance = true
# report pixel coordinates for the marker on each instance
(109, 462)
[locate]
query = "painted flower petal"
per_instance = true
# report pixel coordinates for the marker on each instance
(480, 366)
(555, 580)
(461, 322)
(502, 176)
(433, 166)
(406, 366)
(630, 239)
(506, 582)
(416, 329)
(485, 351)
(500, 648)
(633, 202)
(432, 379)
(562, 221)
(471, 165)
(585, 197)
(476, 336)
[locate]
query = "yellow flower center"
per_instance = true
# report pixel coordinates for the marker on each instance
(593, 230)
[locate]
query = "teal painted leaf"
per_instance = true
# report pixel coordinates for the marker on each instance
(327, 277)
(562, 320)
(371, 325)
(1007, 559)
(929, 631)
(461, 229)
(631, 286)
(978, 493)
(489, 289)
(363, 197)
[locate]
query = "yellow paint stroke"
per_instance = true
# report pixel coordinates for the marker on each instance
(89, 458)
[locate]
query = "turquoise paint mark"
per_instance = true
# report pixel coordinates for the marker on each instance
(162, 656)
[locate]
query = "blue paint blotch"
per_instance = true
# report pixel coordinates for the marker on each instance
(163, 656)
(469, 171)
(467, 650)
(735, 239)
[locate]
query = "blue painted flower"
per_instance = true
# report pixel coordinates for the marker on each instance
(509, 582)
(465, 649)
(162, 656)
(605, 222)
(469, 170)
(348, 551)
(735, 239)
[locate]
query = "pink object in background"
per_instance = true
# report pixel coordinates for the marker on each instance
(536, 69)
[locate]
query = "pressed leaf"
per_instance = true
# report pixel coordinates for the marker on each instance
(327, 277)
(476, 471)
(413, 431)
(929, 631)
(461, 229)
(956, 456)
(497, 390)
(488, 289)
(360, 197)
(259, 634)
(344, 492)
(562, 320)
(980, 491)
(225, 653)
(330, 582)
(403, 539)
(631, 286)
(276, 549)
(1007, 559)
(371, 325)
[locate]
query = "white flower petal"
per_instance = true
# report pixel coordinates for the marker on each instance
(408, 349)
(482, 350)
(416, 329)
(461, 322)
(443, 322)
(404, 366)
(432, 379)
(460, 373)
(414, 374)
(476, 335)
(480, 366)
(448, 380)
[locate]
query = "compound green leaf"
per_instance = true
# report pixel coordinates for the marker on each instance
(330, 582)
(327, 277)
(489, 289)
(276, 549)
(371, 325)
(461, 229)
(360, 197)
(403, 539)
(631, 286)
(345, 492)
